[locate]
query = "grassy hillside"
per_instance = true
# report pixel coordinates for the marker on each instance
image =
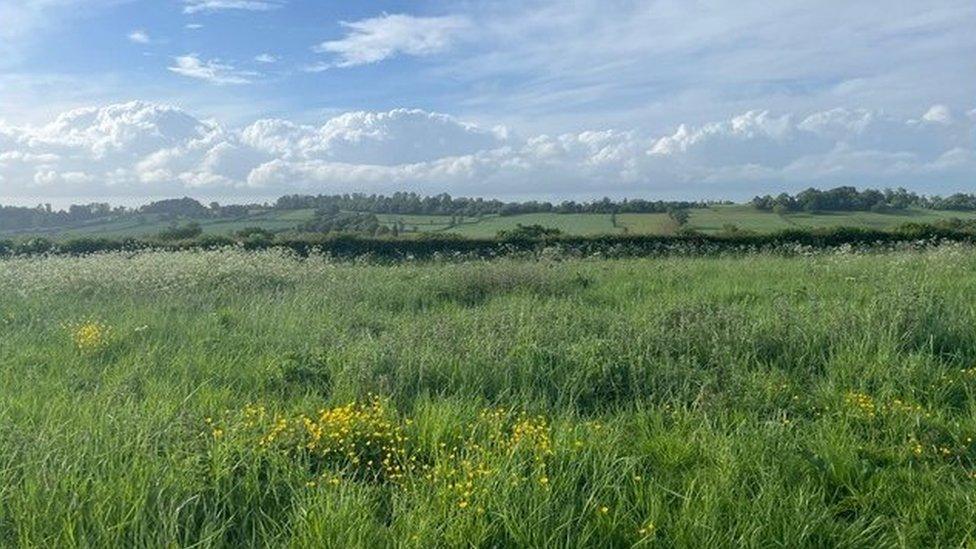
(707, 220)
(231, 399)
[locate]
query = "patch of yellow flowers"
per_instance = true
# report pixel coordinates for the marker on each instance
(361, 440)
(866, 407)
(90, 336)
(862, 404)
(366, 441)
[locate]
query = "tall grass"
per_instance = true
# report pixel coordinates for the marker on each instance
(172, 399)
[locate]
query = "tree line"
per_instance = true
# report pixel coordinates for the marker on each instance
(408, 203)
(13, 218)
(44, 216)
(849, 199)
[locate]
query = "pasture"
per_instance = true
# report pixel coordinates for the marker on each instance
(228, 399)
(710, 220)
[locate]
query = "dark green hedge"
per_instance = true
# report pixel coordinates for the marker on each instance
(446, 246)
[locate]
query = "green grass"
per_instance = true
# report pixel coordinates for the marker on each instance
(695, 402)
(707, 220)
(582, 224)
(712, 220)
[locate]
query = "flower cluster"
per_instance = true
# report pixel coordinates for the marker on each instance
(515, 432)
(90, 336)
(367, 441)
(862, 404)
(357, 440)
(898, 405)
(866, 407)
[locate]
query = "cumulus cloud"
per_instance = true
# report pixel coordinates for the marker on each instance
(378, 38)
(266, 58)
(139, 37)
(206, 6)
(212, 70)
(144, 148)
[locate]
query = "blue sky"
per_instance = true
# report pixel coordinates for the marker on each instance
(540, 98)
(115, 50)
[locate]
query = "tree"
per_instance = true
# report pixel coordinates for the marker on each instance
(679, 216)
(177, 207)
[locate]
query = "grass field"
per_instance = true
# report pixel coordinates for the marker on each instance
(706, 220)
(225, 399)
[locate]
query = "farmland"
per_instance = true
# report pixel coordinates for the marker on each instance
(711, 220)
(228, 399)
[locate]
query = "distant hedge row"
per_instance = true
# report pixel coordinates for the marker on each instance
(430, 246)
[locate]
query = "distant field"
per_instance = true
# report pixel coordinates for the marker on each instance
(707, 220)
(585, 224)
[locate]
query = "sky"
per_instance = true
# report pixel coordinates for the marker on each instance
(120, 100)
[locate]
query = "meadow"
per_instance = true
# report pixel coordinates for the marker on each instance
(229, 399)
(711, 220)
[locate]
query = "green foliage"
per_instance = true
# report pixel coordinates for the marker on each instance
(679, 216)
(330, 220)
(403, 203)
(180, 232)
(842, 199)
(529, 242)
(528, 232)
(177, 207)
(254, 232)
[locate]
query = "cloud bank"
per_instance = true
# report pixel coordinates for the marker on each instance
(141, 148)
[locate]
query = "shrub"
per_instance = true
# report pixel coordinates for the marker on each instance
(528, 232)
(35, 246)
(254, 232)
(181, 232)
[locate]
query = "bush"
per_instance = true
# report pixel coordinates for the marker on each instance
(212, 241)
(679, 216)
(181, 232)
(81, 246)
(34, 246)
(528, 232)
(250, 232)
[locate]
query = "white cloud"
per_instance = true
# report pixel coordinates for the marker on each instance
(940, 114)
(378, 38)
(553, 65)
(400, 136)
(315, 67)
(193, 26)
(266, 58)
(143, 148)
(139, 37)
(206, 6)
(212, 70)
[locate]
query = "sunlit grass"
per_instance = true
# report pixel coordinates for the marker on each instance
(234, 399)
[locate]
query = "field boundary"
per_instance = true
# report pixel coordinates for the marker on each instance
(791, 241)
